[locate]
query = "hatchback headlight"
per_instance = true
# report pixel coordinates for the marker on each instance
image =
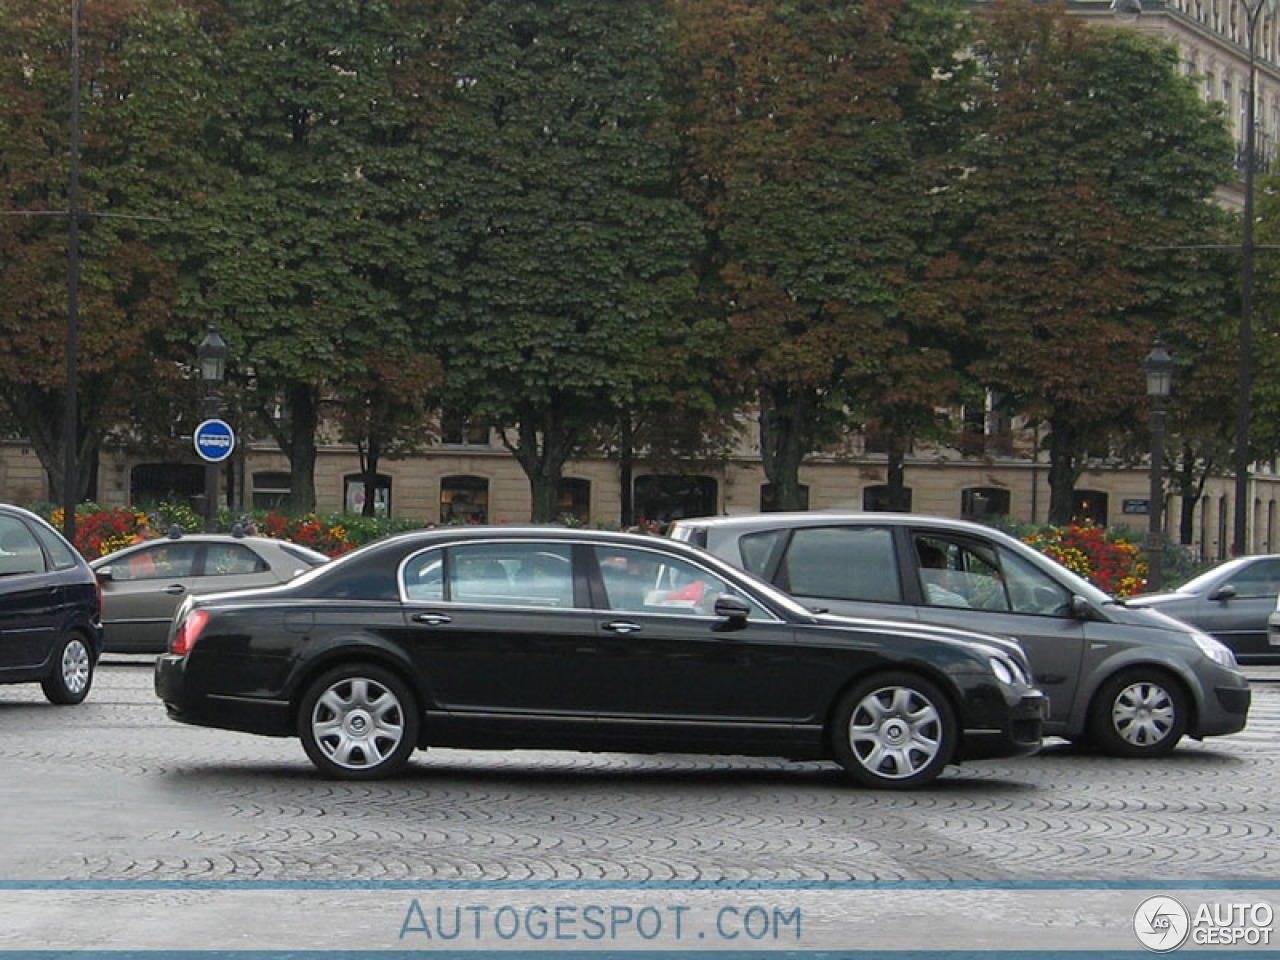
(1215, 650)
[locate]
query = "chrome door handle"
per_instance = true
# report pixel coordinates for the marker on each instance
(175, 589)
(622, 626)
(432, 619)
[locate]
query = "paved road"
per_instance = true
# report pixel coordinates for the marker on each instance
(113, 790)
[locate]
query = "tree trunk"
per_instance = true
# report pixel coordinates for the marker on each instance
(1190, 490)
(1064, 470)
(896, 475)
(543, 444)
(626, 472)
(370, 456)
(784, 442)
(304, 416)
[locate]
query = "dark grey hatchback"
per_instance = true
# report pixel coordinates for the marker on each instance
(552, 638)
(50, 609)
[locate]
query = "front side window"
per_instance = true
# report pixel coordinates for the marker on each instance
(158, 561)
(642, 581)
(19, 551)
(1260, 579)
(957, 573)
(842, 563)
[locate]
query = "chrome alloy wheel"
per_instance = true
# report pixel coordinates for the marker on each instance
(76, 667)
(895, 732)
(357, 723)
(1143, 713)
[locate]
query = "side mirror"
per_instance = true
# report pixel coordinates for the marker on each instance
(1082, 609)
(104, 573)
(1224, 592)
(734, 609)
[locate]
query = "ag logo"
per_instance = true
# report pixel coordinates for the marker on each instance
(1161, 923)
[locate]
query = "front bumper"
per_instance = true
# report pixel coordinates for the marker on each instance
(1018, 736)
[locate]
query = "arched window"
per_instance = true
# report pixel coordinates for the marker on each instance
(573, 500)
(661, 498)
(875, 499)
(354, 494)
(464, 499)
(983, 503)
(1089, 506)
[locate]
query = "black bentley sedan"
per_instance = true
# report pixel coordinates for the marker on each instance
(546, 637)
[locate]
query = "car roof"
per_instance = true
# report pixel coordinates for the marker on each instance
(820, 518)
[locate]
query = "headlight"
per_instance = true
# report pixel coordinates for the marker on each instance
(1215, 650)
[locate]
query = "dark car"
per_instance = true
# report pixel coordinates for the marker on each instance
(1130, 681)
(143, 584)
(496, 637)
(50, 631)
(1231, 601)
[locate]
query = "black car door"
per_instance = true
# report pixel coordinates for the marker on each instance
(29, 598)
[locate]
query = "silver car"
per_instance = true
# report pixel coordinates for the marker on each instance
(1232, 601)
(143, 584)
(1131, 681)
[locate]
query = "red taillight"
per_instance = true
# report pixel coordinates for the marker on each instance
(97, 586)
(188, 632)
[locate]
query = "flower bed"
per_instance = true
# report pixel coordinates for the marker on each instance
(1106, 559)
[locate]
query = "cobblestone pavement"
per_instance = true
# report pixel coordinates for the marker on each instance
(113, 790)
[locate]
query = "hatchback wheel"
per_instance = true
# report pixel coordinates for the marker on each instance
(358, 722)
(895, 731)
(1139, 713)
(72, 673)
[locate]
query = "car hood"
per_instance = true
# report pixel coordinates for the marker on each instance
(967, 638)
(1144, 615)
(1154, 599)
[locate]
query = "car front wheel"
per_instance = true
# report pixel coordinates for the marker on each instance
(894, 731)
(72, 674)
(358, 722)
(1139, 713)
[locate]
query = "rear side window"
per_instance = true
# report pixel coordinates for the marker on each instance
(231, 559)
(842, 563)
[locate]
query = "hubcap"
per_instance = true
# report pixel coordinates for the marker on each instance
(75, 666)
(895, 732)
(1143, 714)
(358, 723)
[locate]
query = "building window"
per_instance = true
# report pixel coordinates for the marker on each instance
(271, 490)
(166, 483)
(354, 495)
(876, 499)
(1089, 506)
(458, 429)
(464, 500)
(573, 500)
(660, 498)
(769, 500)
(984, 503)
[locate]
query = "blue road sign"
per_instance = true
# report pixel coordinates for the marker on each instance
(214, 440)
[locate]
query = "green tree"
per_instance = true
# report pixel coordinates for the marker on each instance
(1090, 153)
(806, 135)
(302, 254)
(563, 252)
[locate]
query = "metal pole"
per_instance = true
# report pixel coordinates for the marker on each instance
(1240, 530)
(70, 466)
(212, 407)
(1155, 528)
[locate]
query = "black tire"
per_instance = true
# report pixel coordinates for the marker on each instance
(894, 731)
(71, 674)
(358, 721)
(1138, 713)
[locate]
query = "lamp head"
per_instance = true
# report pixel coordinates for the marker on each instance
(212, 353)
(1126, 10)
(1159, 369)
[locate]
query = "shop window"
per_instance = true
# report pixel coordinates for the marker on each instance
(271, 491)
(354, 495)
(573, 500)
(661, 498)
(464, 499)
(984, 503)
(769, 500)
(876, 499)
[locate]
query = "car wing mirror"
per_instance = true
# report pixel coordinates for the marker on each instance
(734, 609)
(1082, 609)
(104, 573)
(1224, 592)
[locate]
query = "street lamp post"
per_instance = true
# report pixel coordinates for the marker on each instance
(1159, 369)
(212, 354)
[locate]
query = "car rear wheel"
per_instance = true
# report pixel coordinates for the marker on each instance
(1139, 713)
(894, 731)
(72, 673)
(358, 722)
